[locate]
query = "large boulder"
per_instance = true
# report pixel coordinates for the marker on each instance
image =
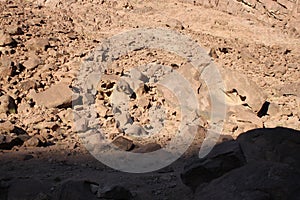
(260, 164)
(256, 181)
(223, 158)
(277, 144)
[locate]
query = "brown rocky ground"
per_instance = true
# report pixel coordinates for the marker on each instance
(254, 43)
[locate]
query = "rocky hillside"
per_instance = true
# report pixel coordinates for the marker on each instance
(44, 46)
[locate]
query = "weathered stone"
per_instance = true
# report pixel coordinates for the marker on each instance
(38, 44)
(59, 95)
(175, 24)
(135, 129)
(246, 89)
(223, 158)
(27, 85)
(7, 104)
(6, 68)
(277, 145)
(32, 63)
(66, 116)
(290, 89)
(6, 126)
(273, 109)
(150, 147)
(5, 39)
(123, 143)
(116, 193)
(33, 142)
(213, 53)
(14, 30)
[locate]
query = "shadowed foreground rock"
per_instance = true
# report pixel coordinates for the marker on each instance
(260, 164)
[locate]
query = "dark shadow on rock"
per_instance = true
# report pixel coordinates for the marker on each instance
(259, 164)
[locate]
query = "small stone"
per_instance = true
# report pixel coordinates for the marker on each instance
(213, 53)
(94, 188)
(6, 68)
(147, 148)
(6, 126)
(5, 39)
(38, 44)
(32, 63)
(27, 85)
(138, 75)
(14, 30)
(123, 119)
(59, 95)
(66, 116)
(7, 104)
(273, 109)
(123, 143)
(135, 130)
(290, 89)
(175, 24)
(102, 110)
(280, 70)
(116, 193)
(33, 142)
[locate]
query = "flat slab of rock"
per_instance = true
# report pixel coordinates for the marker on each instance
(59, 95)
(150, 147)
(123, 143)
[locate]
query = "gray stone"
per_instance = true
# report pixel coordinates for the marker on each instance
(135, 130)
(138, 75)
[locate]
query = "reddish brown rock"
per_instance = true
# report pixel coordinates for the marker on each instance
(59, 95)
